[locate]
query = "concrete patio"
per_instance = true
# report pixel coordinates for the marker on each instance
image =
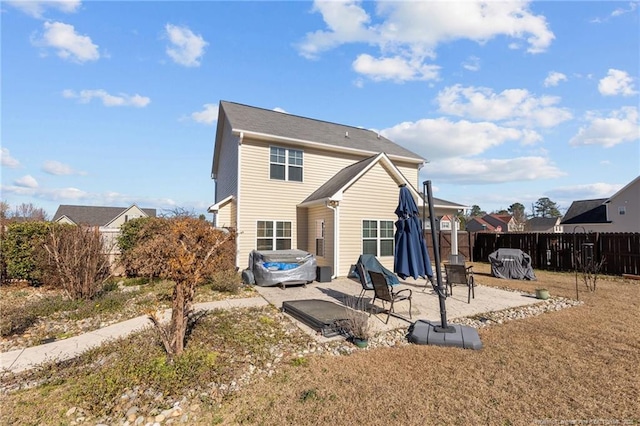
(425, 304)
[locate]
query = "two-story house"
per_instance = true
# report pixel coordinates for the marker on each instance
(285, 181)
(618, 213)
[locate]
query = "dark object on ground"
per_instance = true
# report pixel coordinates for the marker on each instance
(511, 263)
(322, 315)
(282, 267)
(423, 332)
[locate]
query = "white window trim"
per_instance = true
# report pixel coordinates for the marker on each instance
(274, 237)
(286, 163)
(378, 238)
(320, 229)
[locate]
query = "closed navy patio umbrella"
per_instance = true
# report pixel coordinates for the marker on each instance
(411, 255)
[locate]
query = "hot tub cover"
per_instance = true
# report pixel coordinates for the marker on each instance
(511, 263)
(273, 267)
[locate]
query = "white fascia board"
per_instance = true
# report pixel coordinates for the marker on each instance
(273, 138)
(213, 208)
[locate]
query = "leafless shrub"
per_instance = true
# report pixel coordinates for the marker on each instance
(187, 251)
(356, 322)
(589, 271)
(76, 261)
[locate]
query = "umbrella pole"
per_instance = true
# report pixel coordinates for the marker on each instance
(444, 327)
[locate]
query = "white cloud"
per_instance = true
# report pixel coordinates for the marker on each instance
(617, 82)
(621, 126)
(410, 32)
(278, 109)
(513, 106)
(68, 44)
(26, 181)
(186, 48)
(472, 63)
(394, 68)
(554, 78)
(59, 169)
(122, 99)
(441, 138)
(586, 191)
(208, 115)
(36, 9)
(485, 171)
(7, 160)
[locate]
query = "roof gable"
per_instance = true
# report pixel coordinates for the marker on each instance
(334, 187)
(586, 211)
(635, 182)
(93, 215)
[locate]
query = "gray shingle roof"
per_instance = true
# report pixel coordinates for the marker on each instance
(249, 118)
(339, 180)
(93, 215)
(541, 223)
(586, 211)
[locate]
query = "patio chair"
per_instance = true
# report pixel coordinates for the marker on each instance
(385, 293)
(460, 274)
(366, 286)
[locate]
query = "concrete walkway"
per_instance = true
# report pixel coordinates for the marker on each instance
(59, 350)
(341, 290)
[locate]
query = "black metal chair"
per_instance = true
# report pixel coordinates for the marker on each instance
(463, 275)
(362, 275)
(384, 292)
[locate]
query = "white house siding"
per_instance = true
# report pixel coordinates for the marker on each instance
(629, 198)
(375, 197)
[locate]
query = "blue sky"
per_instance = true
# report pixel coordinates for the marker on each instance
(115, 103)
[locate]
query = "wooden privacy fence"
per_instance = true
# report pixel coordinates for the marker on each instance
(557, 252)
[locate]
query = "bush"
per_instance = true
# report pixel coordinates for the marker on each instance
(227, 281)
(76, 261)
(22, 245)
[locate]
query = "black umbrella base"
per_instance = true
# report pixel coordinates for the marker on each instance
(424, 332)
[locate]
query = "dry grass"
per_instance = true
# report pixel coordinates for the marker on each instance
(579, 364)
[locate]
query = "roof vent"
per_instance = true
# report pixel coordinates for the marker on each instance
(346, 134)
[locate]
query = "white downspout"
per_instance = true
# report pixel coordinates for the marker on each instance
(241, 137)
(336, 238)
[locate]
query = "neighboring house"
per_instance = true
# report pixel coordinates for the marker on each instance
(107, 219)
(285, 181)
(492, 223)
(619, 213)
(544, 225)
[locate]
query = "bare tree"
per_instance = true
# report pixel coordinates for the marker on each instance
(30, 212)
(187, 251)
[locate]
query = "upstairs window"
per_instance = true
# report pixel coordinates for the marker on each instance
(285, 164)
(622, 210)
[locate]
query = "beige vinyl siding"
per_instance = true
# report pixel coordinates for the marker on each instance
(262, 198)
(326, 214)
(226, 216)
(227, 177)
(375, 197)
(629, 198)
(131, 213)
